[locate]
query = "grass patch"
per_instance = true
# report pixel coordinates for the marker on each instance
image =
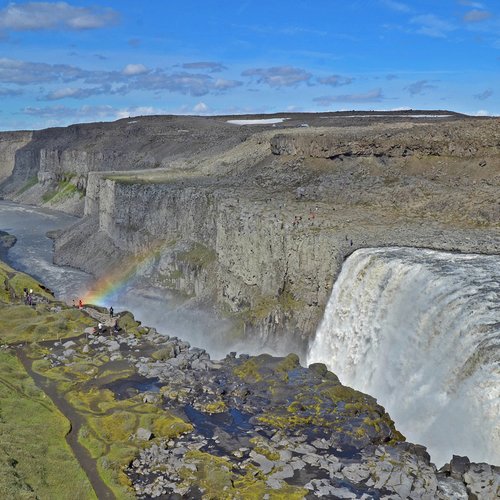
(21, 323)
(65, 189)
(267, 305)
(215, 477)
(32, 181)
(36, 460)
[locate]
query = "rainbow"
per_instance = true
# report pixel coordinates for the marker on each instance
(111, 285)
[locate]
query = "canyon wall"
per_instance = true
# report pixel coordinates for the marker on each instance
(10, 143)
(257, 222)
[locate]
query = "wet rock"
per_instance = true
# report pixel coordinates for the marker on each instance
(151, 398)
(264, 463)
(113, 346)
(144, 434)
(448, 487)
(482, 481)
(356, 472)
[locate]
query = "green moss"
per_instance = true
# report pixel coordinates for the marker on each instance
(175, 275)
(212, 474)
(64, 190)
(87, 438)
(215, 477)
(249, 370)
(32, 181)
(288, 364)
(25, 413)
(164, 353)
(129, 323)
(266, 306)
(215, 407)
(170, 426)
(339, 393)
(261, 446)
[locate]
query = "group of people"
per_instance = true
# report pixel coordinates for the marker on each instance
(28, 296)
(101, 326)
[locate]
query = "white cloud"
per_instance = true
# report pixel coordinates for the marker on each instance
(419, 87)
(63, 93)
(335, 80)
(134, 69)
(212, 67)
(184, 83)
(431, 25)
(139, 111)
(484, 95)
(279, 76)
(6, 92)
(81, 93)
(132, 77)
(374, 95)
(223, 84)
(476, 16)
(25, 73)
(469, 3)
(201, 108)
(63, 112)
(482, 112)
(54, 15)
(397, 6)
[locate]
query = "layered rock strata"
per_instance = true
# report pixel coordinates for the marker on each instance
(259, 221)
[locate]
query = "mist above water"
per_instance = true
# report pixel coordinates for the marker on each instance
(420, 331)
(154, 307)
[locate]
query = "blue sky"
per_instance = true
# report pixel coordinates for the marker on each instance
(79, 61)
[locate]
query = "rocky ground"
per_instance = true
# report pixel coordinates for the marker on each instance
(153, 417)
(260, 426)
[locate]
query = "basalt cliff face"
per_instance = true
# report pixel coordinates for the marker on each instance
(257, 220)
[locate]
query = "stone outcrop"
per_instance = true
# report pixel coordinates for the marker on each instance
(393, 141)
(57, 154)
(259, 221)
(10, 143)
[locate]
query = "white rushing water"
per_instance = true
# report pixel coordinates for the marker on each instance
(420, 331)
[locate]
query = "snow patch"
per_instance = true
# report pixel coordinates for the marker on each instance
(261, 121)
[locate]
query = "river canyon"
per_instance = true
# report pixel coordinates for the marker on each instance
(368, 243)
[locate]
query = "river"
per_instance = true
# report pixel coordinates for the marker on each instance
(33, 250)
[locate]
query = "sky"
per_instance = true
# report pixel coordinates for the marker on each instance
(83, 61)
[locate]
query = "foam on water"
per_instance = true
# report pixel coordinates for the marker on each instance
(420, 331)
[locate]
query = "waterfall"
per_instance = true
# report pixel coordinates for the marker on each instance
(420, 331)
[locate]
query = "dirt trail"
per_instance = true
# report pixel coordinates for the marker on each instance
(87, 463)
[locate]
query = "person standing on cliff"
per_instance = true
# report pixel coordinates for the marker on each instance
(111, 312)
